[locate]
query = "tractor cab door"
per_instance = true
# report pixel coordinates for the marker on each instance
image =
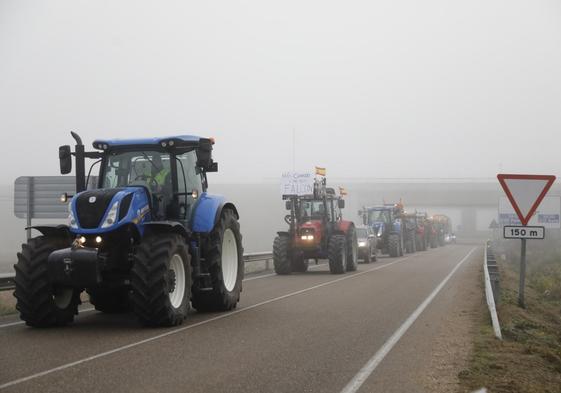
(189, 185)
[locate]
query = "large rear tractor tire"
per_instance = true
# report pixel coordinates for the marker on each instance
(352, 249)
(40, 303)
(110, 300)
(161, 280)
(337, 254)
(281, 255)
(394, 245)
(225, 264)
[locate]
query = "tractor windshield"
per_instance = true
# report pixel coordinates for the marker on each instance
(361, 233)
(311, 209)
(144, 168)
(379, 216)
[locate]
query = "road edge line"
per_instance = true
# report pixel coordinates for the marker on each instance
(194, 325)
(358, 380)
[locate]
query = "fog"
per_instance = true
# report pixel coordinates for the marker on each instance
(367, 89)
(468, 87)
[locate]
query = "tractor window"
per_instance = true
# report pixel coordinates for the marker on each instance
(379, 216)
(311, 209)
(189, 181)
(187, 164)
(338, 214)
(146, 168)
(362, 233)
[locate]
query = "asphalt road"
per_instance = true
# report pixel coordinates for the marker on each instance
(314, 332)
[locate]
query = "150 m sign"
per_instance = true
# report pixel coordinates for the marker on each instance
(512, 232)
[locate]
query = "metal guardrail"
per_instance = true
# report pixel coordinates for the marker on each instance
(492, 287)
(7, 280)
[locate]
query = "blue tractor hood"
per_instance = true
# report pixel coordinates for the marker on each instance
(105, 210)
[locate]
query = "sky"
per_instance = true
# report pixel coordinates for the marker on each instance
(368, 89)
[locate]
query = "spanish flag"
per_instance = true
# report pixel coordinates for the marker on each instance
(320, 171)
(342, 191)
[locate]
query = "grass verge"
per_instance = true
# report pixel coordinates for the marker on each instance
(529, 357)
(7, 303)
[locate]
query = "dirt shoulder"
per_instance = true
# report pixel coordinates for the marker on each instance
(451, 352)
(529, 357)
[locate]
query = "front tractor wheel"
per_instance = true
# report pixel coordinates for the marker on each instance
(394, 245)
(337, 254)
(161, 280)
(224, 260)
(352, 249)
(281, 255)
(40, 303)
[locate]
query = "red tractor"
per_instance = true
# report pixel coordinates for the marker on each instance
(316, 231)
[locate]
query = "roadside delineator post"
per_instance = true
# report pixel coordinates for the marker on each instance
(525, 193)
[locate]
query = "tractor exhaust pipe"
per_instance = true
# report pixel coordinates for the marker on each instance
(80, 163)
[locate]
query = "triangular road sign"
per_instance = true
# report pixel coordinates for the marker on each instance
(525, 192)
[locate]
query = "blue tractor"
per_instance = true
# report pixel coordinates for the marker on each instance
(386, 223)
(148, 238)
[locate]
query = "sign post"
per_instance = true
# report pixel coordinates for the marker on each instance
(525, 193)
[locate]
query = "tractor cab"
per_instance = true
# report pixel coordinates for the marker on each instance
(314, 217)
(146, 238)
(161, 178)
(316, 230)
(386, 222)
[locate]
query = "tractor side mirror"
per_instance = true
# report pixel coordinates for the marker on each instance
(341, 203)
(204, 154)
(65, 158)
(288, 205)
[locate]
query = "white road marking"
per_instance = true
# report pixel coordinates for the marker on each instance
(275, 274)
(22, 322)
(179, 330)
(93, 309)
(356, 382)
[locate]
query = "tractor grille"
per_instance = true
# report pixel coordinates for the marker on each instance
(90, 214)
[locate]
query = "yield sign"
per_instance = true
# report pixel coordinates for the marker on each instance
(525, 192)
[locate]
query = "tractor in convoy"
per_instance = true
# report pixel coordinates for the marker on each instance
(316, 229)
(443, 227)
(148, 238)
(386, 222)
(422, 231)
(409, 222)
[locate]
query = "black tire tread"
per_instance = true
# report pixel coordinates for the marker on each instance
(336, 248)
(33, 290)
(149, 297)
(219, 299)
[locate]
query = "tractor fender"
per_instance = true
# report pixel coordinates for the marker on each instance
(53, 230)
(344, 226)
(283, 233)
(165, 226)
(207, 212)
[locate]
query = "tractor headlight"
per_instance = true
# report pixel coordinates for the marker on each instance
(71, 218)
(307, 237)
(111, 216)
(362, 244)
